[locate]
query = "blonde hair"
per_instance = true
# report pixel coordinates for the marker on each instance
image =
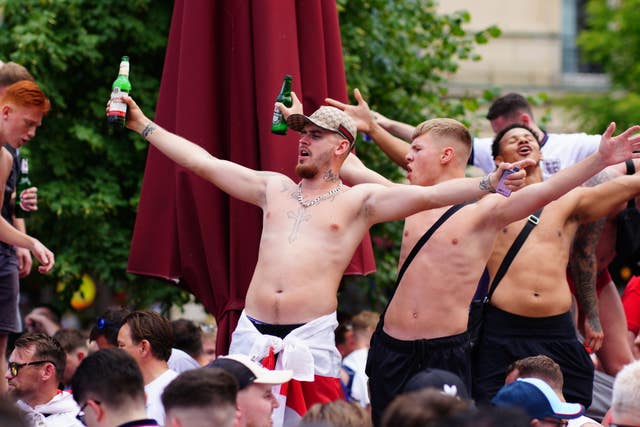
(446, 128)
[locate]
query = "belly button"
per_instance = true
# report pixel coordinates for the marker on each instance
(535, 294)
(279, 291)
(415, 315)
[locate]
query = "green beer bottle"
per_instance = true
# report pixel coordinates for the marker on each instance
(23, 183)
(279, 124)
(121, 86)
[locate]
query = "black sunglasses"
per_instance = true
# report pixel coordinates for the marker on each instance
(14, 367)
(102, 323)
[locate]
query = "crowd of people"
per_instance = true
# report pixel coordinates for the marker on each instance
(541, 218)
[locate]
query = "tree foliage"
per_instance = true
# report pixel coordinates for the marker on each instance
(612, 39)
(399, 54)
(88, 176)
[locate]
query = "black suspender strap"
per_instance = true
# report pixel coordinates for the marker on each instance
(532, 221)
(453, 209)
(631, 169)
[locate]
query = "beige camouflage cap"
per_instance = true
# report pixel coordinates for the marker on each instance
(328, 118)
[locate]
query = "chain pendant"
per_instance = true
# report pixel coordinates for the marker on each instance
(318, 199)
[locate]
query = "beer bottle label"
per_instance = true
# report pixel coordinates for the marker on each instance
(277, 116)
(117, 106)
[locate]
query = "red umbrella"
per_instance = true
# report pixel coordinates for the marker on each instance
(224, 65)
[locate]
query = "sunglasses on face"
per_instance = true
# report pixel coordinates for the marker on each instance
(14, 367)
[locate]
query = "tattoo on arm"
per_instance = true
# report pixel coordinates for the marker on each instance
(148, 130)
(598, 178)
(583, 264)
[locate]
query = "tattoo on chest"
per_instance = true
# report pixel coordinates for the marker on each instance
(298, 218)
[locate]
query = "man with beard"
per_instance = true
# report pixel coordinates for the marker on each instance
(310, 231)
(36, 366)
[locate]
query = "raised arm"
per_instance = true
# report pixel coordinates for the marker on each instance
(395, 148)
(401, 200)
(612, 150)
(394, 127)
(236, 180)
(355, 172)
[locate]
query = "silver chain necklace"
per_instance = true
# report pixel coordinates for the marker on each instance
(319, 198)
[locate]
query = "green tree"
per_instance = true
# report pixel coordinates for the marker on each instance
(399, 54)
(88, 175)
(612, 39)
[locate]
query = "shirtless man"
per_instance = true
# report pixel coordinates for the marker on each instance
(413, 333)
(529, 312)
(310, 231)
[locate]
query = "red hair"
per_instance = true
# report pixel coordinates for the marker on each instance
(27, 94)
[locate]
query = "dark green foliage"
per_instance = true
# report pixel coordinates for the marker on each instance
(88, 176)
(613, 41)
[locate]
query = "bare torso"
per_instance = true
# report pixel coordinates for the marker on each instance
(535, 284)
(303, 254)
(433, 298)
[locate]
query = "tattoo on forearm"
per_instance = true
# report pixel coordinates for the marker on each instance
(598, 178)
(297, 217)
(148, 130)
(584, 270)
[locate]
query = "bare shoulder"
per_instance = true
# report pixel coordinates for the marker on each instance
(6, 159)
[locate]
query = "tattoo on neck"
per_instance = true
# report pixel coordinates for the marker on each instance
(148, 130)
(330, 176)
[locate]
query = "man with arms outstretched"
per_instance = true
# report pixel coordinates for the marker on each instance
(310, 231)
(425, 323)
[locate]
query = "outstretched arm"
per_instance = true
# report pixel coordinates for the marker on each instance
(355, 172)
(236, 180)
(612, 150)
(395, 148)
(394, 127)
(401, 200)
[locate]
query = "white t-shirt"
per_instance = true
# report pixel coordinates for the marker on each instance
(154, 390)
(559, 150)
(357, 361)
(180, 361)
(578, 422)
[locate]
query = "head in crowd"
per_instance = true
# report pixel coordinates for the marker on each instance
(541, 367)
(440, 147)
(200, 398)
(345, 341)
(339, 413)
(11, 73)
(326, 139)
(22, 107)
(515, 142)
(10, 415)
(497, 416)
(364, 323)
(508, 109)
(209, 337)
(36, 367)
(444, 381)
(75, 347)
(625, 402)
(108, 386)
(105, 331)
(188, 337)
(538, 400)
(48, 312)
(146, 332)
(255, 400)
(425, 408)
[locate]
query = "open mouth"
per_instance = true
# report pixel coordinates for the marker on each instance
(304, 152)
(524, 150)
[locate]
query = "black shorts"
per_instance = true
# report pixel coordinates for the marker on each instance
(508, 337)
(9, 297)
(392, 363)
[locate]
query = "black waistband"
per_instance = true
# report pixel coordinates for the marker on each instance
(500, 322)
(405, 346)
(279, 331)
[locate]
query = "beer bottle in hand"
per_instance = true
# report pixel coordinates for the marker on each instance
(279, 124)
(23, 183)
(121, 86)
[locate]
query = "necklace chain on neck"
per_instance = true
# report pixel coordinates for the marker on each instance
(318, 199)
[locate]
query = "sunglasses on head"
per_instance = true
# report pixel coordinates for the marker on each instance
(102, 323)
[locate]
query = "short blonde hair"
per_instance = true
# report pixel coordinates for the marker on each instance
(446, 128)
